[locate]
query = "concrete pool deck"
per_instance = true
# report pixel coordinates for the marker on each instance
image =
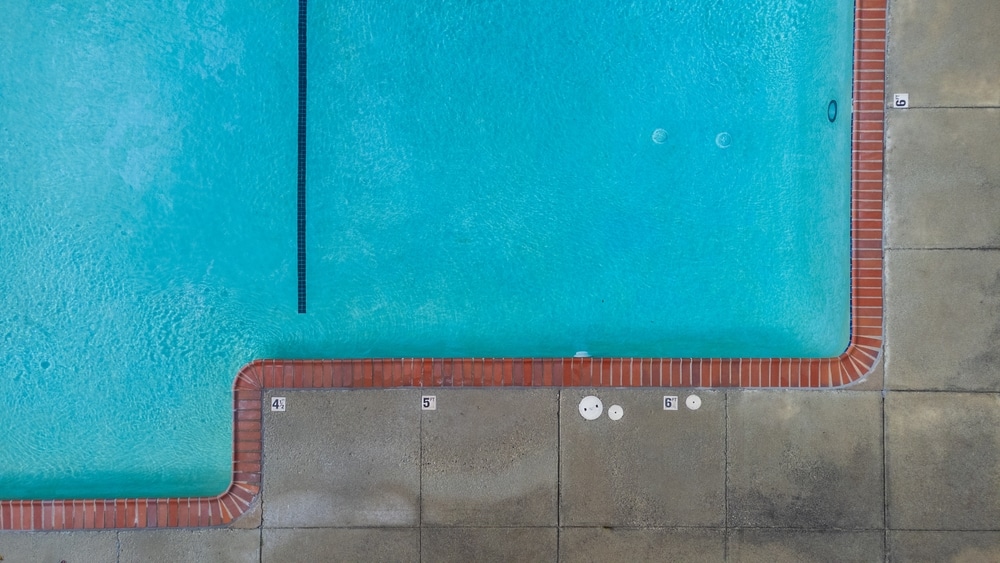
(904, 466)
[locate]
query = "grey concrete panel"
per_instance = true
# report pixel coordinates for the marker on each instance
(651, 468)
(490, 458)
(343, 458)
(294, 545)
(944, 547)
(217, 545)
(943, 453)
(485, 545)
(944, 53)
(943, 320)
(794, 546)
(677, 545)
(942, 176)
(800, 459)
(52, 547)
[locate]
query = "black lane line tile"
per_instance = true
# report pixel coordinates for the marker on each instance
(301, 181)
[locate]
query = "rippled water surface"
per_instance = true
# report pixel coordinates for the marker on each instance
(651, 178)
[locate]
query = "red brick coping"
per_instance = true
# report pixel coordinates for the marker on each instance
(248, 389)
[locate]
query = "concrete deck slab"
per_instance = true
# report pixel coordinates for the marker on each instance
(216, 545)
(651, 468)
(677, 545)
(463, 545)
(943, 320)
(805, 459)
(31, 547)
(294, 545)
(343, 458)
(793, 546)
(490, 458)
(943, 178)
(943, 453)
(943, 547)
(944, 53)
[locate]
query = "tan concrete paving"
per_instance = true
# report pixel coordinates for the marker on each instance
(943, 320)
(943, 178)
(653, 467)
(490, 459)
(343, 458)
(677, 545)
(33, 547)
(331, 545)
(943, 461)
(216, 545)
(805, 459)
(944, 53)
(943, 547)
(462, 545)
(796, 546)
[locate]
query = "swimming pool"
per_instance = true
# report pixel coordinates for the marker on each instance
(650, 179)
(476, 189)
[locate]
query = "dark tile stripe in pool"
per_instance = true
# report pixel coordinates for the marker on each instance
(300, 188)
(860, 357)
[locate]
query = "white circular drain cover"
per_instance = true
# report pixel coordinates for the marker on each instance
(615, 412)
(693, 402)
(591, 407)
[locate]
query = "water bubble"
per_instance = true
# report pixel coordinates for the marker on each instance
(659, 136)
(723, 140)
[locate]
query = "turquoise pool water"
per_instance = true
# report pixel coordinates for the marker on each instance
(484, 179)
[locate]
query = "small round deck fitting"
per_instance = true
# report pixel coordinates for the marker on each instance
(591, 407)
(693, 402)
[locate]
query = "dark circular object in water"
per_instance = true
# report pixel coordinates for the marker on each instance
(831, 111)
